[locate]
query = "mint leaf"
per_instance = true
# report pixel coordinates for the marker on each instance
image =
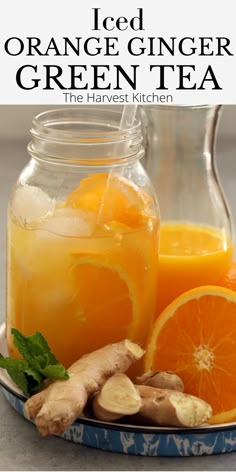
(6, 362)
(34, 347)
(36, 351)
(20, 380)
(30, 372)
(37, 364)
(55, 372)
(16, 370)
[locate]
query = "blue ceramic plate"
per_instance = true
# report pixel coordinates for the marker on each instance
(130, 439)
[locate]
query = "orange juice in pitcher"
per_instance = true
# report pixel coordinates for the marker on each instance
(196, 238)
(190, 256)
(83, 235)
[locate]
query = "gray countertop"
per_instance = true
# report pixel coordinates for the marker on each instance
(21, 447)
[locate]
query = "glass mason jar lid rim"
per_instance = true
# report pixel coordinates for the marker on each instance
(75, 124)
(85, 133)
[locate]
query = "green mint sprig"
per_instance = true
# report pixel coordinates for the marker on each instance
(37, 364)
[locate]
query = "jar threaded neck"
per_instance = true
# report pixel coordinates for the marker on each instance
(85, 134)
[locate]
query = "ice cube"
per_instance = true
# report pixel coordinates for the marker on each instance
(54, 297)
(30, 203)
(70, 222)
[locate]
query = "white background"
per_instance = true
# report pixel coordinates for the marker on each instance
(55, 18)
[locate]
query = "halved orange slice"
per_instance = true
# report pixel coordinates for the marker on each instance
(195, 336)
(108, 306)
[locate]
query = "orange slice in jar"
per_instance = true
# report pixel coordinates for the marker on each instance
(107, 300)
(111, 197)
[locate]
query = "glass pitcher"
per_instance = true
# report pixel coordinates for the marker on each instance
(83, 235)
(196, 242)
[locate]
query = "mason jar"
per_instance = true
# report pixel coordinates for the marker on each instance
(83, 235)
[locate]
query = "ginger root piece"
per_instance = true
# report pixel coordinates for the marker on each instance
(162, 407)
(56, 408)
(165, 407)
(118, 397)
(161, 379)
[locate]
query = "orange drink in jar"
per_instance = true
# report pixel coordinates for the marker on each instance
(83, 258)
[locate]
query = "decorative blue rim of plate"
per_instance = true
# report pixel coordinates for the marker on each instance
(137, 440)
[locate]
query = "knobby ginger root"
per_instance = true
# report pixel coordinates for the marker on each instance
(171, 408)
(56, 408)
(118, 397)
(161, 380)
(161, 407)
